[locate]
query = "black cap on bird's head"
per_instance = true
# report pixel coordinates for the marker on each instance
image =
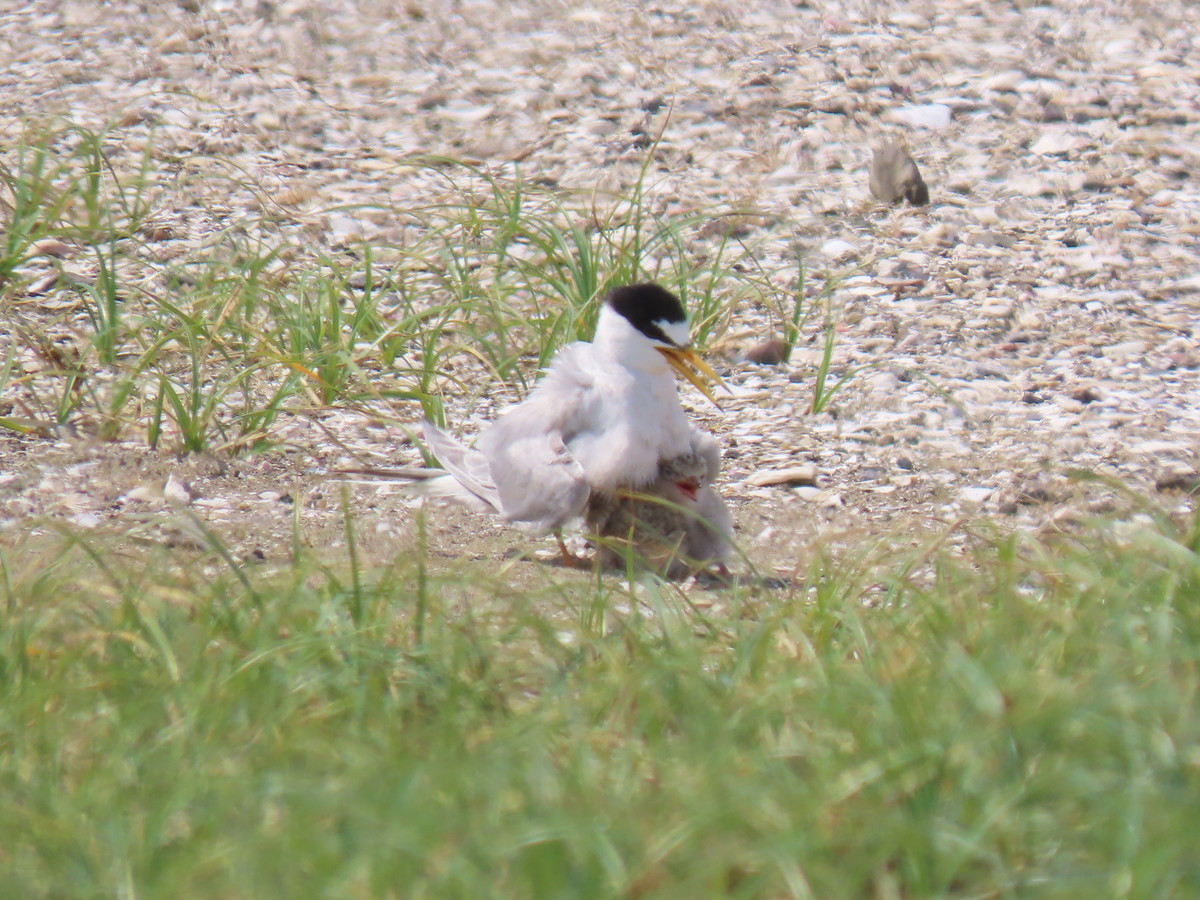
(657, 313)
(652, 310)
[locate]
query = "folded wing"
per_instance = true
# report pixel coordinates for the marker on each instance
(470, 476)
(521, 466)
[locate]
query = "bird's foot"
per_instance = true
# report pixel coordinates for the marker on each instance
(717, 576)
(569, 559)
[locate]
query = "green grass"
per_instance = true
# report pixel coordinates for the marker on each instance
(206, 347)
(1018, 723)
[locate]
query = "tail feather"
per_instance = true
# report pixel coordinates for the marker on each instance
(447, 487)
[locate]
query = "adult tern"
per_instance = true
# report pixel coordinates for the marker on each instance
(602, 422)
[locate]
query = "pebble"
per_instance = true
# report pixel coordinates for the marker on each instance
(52, 247)
(1004, 81)
(794, 475)
(895, 177)
(42, 285)
(1052, 111)
(176, 492)
(1184, 480)
(934, 116)
(975, 495)
(837, 250)
(143, 493)
(1124, 350)
(1058, 142)
(176, 118)
(771, 352)
(344, 228)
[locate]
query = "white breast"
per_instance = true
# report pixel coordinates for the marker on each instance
(630, 421)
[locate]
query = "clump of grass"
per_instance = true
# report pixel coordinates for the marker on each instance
(528, 265)
(207, 350)
(1015, 723)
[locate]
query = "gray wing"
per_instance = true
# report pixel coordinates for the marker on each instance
(540, 485)
(467, 465)
(535, 481)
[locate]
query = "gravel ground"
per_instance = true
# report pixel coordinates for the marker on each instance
(1040, 316)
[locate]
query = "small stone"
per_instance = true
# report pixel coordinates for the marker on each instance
(467, 113)
(345, 228)
(51, 247)
(1186, 481)
(143, 493)
(268, 120)
(771, 352)
(909, 20)
(927, 115)
(1160, 448)
(1053, 112)
(793, 476)
(176, 492)
(1007, 82)
(839, 249)
(172, 43)
(1085, 395)
(990, 238)
(895, 177)
(975, 495)
(942, 234)
(42, 285)
(1124, 350)
(176, 118)
(1058, 143)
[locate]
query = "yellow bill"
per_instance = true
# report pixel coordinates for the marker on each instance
(692, 367)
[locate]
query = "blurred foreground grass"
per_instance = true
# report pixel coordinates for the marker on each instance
(1019, 723)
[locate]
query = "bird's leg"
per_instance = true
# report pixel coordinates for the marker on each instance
(717, 576)
(569, 559)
